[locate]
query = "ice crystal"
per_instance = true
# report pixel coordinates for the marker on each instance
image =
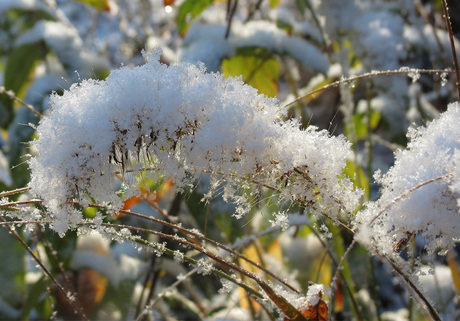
(179, 256)
(181, 121)
(227, 286)
(281, 220)
(203, 267)
(444, 79)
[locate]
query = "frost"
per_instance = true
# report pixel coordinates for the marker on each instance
(227, 286)
(420, 192)
(203, 267)
(444, 79)
(179, 256)
(281, 220)
(159, 248)
(415, 75)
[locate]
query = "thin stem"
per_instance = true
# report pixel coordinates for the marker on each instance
(164, 292)
(429, 307)
(15, 191)
(200, 236)
(12, 96)
(452, 44)
(280, 301)
(253, 10)
(369, 74)
(230, 18)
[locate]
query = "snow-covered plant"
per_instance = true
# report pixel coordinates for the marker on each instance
(257, 194)
(420, 193)
(178, 122)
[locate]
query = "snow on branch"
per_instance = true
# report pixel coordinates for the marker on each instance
(420, 193)
(180, 121)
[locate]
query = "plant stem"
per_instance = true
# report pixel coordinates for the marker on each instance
(452, 44)
(369, 74)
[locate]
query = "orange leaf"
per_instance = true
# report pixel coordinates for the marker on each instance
(91, 286)
(168, 2)
(318, 312)
(146, 196)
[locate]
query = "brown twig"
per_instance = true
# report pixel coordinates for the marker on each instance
(452, 43)
(10, 94)
(230, 17)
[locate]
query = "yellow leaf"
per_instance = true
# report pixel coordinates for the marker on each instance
(101, 5)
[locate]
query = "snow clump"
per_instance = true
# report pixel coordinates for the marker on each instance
(178, 121)
(421, 192)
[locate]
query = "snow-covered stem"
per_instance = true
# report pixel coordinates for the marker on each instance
(279, 300)
(424, 303)
(191, 260)
(15, 191)
(370, 74)
(203, 238)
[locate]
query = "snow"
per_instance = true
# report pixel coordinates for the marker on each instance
(206, 43)
(66, 43)
(181, 120)
(438, 284)
(420, 192)
(92, 251)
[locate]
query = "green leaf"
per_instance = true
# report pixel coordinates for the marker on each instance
(101, 5)
(357, 175)
(361, 125)
(284, 25)
(258, 68)
(19, 68)
(189, 10)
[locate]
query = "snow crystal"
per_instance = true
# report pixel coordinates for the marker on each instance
(203, 267)
(227, 286)
(281, 220)
(179, 256)
(444, 79)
